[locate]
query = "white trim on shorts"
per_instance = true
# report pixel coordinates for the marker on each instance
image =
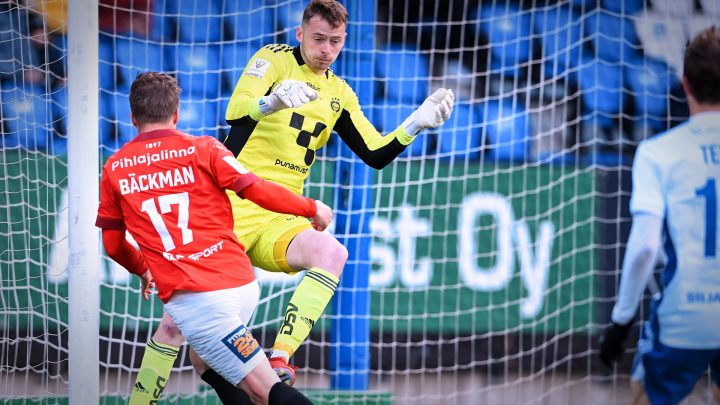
(214, 324)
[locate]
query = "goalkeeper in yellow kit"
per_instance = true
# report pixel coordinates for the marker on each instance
(283, 109)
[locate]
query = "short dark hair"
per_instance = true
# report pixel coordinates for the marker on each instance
(330, 10)
(702, 66)
(154, 97)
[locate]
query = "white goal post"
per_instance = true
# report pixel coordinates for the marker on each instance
(83, 191)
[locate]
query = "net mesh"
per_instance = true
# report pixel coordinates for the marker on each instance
(495, 239)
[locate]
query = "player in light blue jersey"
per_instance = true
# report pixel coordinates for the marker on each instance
(676, 185)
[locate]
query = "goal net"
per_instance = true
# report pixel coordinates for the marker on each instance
(483, 262)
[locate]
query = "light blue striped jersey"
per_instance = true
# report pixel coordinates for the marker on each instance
(676, 176)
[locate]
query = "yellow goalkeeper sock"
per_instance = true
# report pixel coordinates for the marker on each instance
(306, 305)
(154, 372)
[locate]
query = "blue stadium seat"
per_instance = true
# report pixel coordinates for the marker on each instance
(460, 138)
(509, 33)
(458, 77)
(58, 110)
(624, 6)
(367, 85)
(404, 73)
(561, 37)
(613, 37)
(650, 83)
(583, 5)
(198, 69)
(199, 21)
(106, 61)
(199, 117)
(250, 21)
(162, 25)
(135, 56)
(601, 86)
(26, 117)
(56, 57)
(508, 129)
(374, 113)
(115, 113)
(16, 50)
(331, 150)
(106, 123)
(288, 16)
(234, 57)
(387, 115)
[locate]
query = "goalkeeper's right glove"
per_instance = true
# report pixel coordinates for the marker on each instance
(432, 113)
(288, 94)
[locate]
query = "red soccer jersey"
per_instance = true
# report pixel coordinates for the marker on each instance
(167, 189)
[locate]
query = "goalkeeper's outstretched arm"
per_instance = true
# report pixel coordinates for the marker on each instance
(376, 150)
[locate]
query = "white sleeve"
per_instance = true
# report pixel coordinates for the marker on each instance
(640, 257)
(647, 185)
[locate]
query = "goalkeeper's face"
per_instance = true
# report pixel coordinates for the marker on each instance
(320, 43)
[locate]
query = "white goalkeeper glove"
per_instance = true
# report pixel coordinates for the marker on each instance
(432, 113)
(288, 94)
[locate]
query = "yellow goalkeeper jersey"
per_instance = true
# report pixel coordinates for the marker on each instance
(281, 147)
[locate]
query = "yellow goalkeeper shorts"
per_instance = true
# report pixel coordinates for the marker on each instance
(266, 235)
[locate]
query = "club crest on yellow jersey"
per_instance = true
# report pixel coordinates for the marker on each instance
(335, 104)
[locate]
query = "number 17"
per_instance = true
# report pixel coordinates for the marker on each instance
(165, 201)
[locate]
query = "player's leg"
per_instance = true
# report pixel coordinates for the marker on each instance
(671, 373)
(637, 376)
(282, 243)
(291, 246)
(324, 257)
(228, 393)
(262, 381)
(158, 359)
(248, 228)
(715, 375)
(637, 393)
(210, 322)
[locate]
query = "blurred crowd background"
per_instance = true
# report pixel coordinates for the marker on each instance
(568, 81)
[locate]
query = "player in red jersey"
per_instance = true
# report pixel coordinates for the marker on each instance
(167, 189)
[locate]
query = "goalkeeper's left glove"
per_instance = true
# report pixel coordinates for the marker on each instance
(611, 342)
(432, 113)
